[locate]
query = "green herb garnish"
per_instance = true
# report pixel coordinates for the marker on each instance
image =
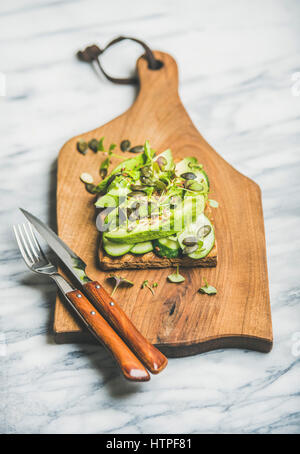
(207, 289)
(104, 168)
(100, 146)
(118, 281)
(146, 284)
(213, 203)
(112, 147)
(176, 278)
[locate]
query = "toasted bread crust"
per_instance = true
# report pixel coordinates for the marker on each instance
(151, 260)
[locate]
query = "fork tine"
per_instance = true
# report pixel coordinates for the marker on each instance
(30, 243)
(21, 247)
(36, 243)
(22, 230)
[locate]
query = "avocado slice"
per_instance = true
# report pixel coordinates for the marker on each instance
(118, 189)
(128, 165)
(150, 229)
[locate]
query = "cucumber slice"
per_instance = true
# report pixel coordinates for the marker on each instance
(115, 249)
(208, 242)
(142, 248)
(166, 247)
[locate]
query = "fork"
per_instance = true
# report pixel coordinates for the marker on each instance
(37, 262)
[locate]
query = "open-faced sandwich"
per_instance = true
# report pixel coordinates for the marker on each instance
(155, 214)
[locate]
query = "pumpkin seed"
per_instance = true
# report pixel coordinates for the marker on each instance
(82, 146)
(137, 187)
(203, 231)
(146, 171)
(190, 249)
(137, 149)
(188, 176)
(190, 241)
(160, 186)
(162, 162)
(136, 193)
(147, 181)
(194, 186)
(86, 178)
(125, 145)
(93, 145)
(91, 188)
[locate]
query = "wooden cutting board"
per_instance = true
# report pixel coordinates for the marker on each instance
(178, 319)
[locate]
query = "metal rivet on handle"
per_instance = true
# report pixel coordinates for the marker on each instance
(93, 313)
(78, 295)
(111, 303)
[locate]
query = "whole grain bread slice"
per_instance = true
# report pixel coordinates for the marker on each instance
(151, 260)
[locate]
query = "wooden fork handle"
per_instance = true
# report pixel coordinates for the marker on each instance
(151, 357)
(131, 367)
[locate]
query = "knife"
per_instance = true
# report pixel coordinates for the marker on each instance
(152, 358)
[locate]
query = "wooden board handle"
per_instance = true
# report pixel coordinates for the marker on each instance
(153, 359)
(131, 367)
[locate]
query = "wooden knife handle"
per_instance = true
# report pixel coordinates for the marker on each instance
(153, 359)
(131, 367)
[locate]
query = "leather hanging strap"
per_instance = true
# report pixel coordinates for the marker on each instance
(92, 53)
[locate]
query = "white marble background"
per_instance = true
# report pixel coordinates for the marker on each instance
(236, 61)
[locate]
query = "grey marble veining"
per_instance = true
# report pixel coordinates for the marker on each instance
(237, 61)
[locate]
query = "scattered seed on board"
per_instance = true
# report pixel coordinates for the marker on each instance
(82, 146)
(91, 188)
(93, 145)
(86, 178)
(125, 145)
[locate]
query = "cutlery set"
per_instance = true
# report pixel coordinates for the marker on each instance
(98, 311)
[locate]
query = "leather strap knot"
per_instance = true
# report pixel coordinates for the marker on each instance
(91, 54)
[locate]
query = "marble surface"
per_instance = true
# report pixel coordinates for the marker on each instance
(239, 65)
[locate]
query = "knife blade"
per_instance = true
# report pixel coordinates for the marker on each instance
(71, 260)
(153, 359)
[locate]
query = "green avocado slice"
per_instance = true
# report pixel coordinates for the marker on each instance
(149, 229)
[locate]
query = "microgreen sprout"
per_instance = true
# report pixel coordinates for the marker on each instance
(146, 284)
(118, 281)
(176, 278)
(207, 289)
